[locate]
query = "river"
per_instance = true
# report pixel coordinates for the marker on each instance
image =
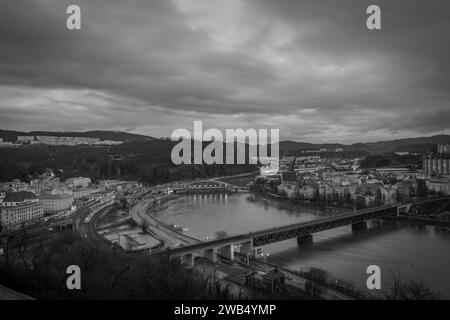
(412, 250)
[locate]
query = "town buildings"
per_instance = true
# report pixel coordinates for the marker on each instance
(58, 141)
(443, 148)
(324, 180)
(439, 185)
(77, 182)
(18, 208)
(288, 190)
(388, 195)
(84, 192)
(437, 163)
(5, 144)
(22, 202)
(119, 185)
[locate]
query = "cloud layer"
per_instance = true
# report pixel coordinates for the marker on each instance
(310, 68)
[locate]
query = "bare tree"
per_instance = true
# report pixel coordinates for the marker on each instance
(409, 289)
(316, 280)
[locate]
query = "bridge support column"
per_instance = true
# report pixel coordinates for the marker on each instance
(403, 209)
(247, 247)
(305, 240)
(227, 252)
(360, 226)
(211, 254)
(188, 259)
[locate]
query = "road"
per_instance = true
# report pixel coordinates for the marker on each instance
(167, 235)
(87, 228)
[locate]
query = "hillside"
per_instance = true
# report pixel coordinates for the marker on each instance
(8, 135)
(294, 146)
(420, 144)
(147, 161)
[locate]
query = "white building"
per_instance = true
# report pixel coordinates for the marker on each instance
(289, 189)
(72, 141)
(307, 192)
(25, 139)
(443, 148)
(78, 182)
(5, 143)
(388, 195)
(52, 203)
(20, 207)
(83, 192)
(15, 185)
(366, 200)
(439, 185)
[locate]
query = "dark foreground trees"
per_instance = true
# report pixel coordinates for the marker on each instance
(39, 269)
(409, 289)
(105, 273)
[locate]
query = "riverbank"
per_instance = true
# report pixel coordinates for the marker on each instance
(416, 250)
(303, 203)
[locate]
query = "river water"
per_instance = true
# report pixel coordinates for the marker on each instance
(411, 250)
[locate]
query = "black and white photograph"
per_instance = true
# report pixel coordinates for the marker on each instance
(224, 156)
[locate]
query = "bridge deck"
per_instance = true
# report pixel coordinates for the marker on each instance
(293, 230)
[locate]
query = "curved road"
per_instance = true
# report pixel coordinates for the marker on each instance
(170, 237)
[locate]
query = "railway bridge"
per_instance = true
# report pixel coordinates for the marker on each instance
(246, 243)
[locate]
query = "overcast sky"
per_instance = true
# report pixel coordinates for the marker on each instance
(310, 68)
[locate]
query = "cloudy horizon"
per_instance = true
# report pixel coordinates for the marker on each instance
(310, 68)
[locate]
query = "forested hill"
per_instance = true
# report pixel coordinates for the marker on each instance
(146, 161)
(419, 144)
(8, 135)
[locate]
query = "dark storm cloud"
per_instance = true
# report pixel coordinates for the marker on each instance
(310, 68)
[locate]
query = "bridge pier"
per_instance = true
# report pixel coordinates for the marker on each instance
(227, 252)
(247, 247)
(404, 209)
(211, 254)
(305, 240)
(188, 259)
(360, 226)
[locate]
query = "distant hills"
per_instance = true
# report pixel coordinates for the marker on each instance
(8, 135)
(295, 146)
(420, 144)
(148, 159)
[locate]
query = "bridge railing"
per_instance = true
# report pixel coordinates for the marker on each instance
(327, 219)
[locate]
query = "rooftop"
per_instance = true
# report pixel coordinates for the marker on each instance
(275, 274)
(19, 196)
